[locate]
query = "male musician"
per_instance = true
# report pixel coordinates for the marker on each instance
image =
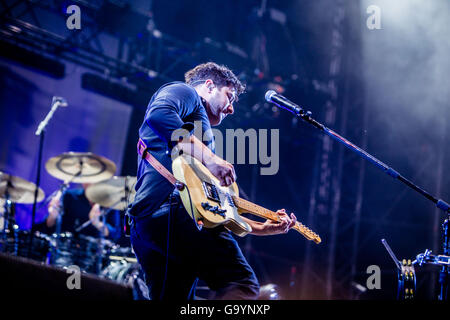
(171, 250)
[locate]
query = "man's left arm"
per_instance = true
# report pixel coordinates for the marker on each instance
(270, 227)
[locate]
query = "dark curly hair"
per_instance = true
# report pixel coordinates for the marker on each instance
(219, 74)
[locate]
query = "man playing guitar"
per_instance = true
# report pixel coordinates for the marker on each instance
(171, 249)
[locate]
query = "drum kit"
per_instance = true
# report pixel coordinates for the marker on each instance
(62, 249)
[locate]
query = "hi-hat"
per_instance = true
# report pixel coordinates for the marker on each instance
(80, 167)
(18, 190)
(114, 193)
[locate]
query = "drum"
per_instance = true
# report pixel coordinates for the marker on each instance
(124, 268)
(88, 253)
(25, 244)
(122, 253)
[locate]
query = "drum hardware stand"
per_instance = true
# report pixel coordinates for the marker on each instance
(103, 220)
(9, 219)
(444, 274)
(126, 219)
(282, 102)
(429, 258)
(8, 216)
(406, 288)
(62, 189)
(99, 261)
(440, 260)
(100, 242)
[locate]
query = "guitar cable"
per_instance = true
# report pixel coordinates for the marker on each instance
(199, 227)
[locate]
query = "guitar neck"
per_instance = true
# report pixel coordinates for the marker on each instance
(250, 207)
(254, 209)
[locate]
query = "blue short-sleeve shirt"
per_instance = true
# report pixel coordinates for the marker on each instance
(175, 105)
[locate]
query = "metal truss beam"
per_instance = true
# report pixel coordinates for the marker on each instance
(89, 46)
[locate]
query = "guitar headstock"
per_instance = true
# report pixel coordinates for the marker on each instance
(307, 233)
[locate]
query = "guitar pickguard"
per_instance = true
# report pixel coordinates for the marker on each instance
(205, 200)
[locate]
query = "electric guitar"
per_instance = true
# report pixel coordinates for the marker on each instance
(211, 204)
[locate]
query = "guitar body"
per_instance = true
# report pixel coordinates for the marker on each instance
(205, 199)
(211, 205)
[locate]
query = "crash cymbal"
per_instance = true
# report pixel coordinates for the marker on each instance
(80, 167)
(18, 190)
(114, 193)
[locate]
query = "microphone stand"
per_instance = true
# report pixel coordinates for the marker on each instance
(56, 102)
(441, 204)
(444, 273)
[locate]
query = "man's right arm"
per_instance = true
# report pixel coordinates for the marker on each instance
(221, 169)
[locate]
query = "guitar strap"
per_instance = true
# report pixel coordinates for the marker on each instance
(145, 154)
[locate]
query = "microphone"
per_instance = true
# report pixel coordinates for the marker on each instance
(282, 102)
(62, 102)
(56, 102)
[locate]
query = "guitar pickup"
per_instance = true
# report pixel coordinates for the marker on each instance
(214, 209)
(211, 191)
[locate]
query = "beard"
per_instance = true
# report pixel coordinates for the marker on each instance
(215, 113)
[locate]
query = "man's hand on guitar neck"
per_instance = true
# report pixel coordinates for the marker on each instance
(221, 169)
(270, 227)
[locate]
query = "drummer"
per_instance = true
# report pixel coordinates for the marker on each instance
(77, 210)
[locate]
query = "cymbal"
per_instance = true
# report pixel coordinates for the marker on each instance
(80, 167)
(114, 193)
(18, 190)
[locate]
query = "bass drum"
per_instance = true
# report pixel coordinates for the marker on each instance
(128, 273)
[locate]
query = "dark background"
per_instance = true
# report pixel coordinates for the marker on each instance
(390, 97)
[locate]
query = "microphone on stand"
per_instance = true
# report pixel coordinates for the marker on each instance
(56, 102)
(283, 102)
(40, 132)
(62, 102)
